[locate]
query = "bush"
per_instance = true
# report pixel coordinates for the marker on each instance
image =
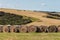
(53, 15)
(12, 19)
(2, 13)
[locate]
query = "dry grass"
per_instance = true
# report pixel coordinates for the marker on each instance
(29, 36)
(39, 15)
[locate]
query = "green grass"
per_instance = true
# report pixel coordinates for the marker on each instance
(29, 36)
(34, 19)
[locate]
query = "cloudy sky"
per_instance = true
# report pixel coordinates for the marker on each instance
(42, 5)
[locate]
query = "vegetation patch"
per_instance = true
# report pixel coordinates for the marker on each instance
(12, 19)
(53, 16)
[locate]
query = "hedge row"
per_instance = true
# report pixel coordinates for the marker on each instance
(53, 15)
(28, 29)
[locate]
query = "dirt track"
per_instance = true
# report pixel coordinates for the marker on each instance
(39, 15)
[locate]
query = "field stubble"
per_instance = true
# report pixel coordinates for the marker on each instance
(29, 36)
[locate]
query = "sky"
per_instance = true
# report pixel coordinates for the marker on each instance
(39, 5)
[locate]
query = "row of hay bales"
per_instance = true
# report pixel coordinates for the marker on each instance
(27, 29)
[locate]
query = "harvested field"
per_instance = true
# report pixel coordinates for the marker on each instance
(29, 36)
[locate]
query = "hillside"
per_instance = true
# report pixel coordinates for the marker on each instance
(13, 19)
(40, 15)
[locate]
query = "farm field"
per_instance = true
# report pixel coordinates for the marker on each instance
(29, 19)
(29, 36)
(32, 36)
(39, 15)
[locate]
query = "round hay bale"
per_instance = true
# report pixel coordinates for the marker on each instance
(23, 29)
(32, 28)
(5, 28)
(8, 28)
(52, 28)
(42, 28)
(1, 28)
(58, 28)
(12, 28)
(16, 29)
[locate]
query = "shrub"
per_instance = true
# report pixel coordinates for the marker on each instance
(12, 19)
(53, 16)
(2, 13)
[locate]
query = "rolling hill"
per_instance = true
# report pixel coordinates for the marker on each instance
(39, 15)
(13, 19)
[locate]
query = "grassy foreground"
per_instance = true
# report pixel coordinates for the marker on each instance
(29, 36)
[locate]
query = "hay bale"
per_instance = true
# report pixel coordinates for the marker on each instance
(5, 28)
(12, 28)
(23, 29)
(1, 28)
(42, 28)
(52, 28)
(58, 28)
(32, 28)
(16, 29)
(8, 28)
